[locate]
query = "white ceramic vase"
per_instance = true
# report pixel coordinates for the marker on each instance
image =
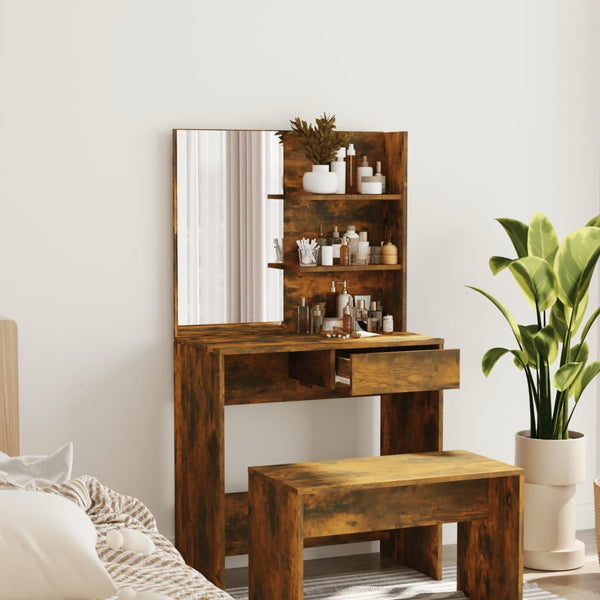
(552, 470)
(320, 180)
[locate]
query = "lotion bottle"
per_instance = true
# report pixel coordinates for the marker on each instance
(338, 166)
(364, 170)
(343, 299)
(331, 305)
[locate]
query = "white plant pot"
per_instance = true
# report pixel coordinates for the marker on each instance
(552, 469)
(320, 180)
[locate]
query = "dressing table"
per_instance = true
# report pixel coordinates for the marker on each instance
(220, 364)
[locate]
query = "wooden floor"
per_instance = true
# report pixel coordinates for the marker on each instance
(579, 584)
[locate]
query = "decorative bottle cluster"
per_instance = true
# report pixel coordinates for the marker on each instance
(343, 315)
(349, 248)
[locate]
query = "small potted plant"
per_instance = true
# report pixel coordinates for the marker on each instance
(320, 143)
(554, 278)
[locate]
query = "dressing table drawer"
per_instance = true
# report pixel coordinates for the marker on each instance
(373, 373)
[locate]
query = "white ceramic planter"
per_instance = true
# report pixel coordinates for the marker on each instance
(552, 469)
(320, 180)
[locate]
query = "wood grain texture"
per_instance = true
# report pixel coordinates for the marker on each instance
(413, 422)
(9, 388)
(199, 461)
(490, 551)
(314, 368)
(275, 560)
(304, 212)
(326, 498)
(398, 372)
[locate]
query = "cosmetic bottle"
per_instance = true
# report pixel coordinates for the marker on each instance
(331, 304)
(352, 240)
(388, 324)
(336, 242)
(364, 170)
(338, 166)
(347, 323)
(351, 170)
(363, 248)
(374, 255)
(379, 176)
(344, 252)
(374, 322)
(321, 239)
(303, 317)
(361, 314)
(316, 320)
(343, 299)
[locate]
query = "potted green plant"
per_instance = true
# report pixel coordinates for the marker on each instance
(320, 143)
(555, 279)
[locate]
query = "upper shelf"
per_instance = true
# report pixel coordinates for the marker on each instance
(327, 268)
(337, 197)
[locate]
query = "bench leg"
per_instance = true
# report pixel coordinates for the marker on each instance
(490, 551)
(275, 556)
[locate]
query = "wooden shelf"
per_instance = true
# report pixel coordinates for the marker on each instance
(336, 268)
(275, 196)
(349, 197)
(276, 265)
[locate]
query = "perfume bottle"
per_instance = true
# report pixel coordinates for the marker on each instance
(344, 252)
(316, 323)
(374, 320)
(303, 317)
(348, 322)
(336, 243)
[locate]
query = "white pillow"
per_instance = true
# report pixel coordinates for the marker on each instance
(39, 471)
(48, 550)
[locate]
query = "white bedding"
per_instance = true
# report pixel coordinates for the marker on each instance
(162, 571)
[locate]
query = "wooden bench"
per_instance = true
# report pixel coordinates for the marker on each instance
(289, 503)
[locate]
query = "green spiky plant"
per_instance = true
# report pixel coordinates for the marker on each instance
(555, 279)
(320, 141)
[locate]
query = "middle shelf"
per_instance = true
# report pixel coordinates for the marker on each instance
(335, 268)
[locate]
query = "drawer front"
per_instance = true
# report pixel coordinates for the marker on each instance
(409, 371)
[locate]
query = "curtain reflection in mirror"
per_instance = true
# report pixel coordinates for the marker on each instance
(226, 225)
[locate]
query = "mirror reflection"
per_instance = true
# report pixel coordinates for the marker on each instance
(226, 225)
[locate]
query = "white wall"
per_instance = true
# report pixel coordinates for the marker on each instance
(501, 103)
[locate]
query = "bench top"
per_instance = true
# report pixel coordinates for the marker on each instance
(395, 470)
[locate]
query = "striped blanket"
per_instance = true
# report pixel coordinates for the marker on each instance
(164, 571)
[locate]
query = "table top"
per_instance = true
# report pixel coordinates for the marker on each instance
(253, 339)
(394, 470)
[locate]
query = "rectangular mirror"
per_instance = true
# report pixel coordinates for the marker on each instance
(225, 226)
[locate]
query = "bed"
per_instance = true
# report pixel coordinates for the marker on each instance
(76, 539)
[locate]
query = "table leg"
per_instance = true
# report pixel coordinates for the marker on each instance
(275, 558)
(490, 551)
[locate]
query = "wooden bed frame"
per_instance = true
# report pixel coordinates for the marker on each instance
(9, 388)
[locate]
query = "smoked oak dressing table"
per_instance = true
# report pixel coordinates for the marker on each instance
(233, 364)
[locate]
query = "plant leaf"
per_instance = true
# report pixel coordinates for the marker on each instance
(498, 263)
(537, 281)
(542, 240)
(491, 357)
(565, 376)
(517, 232)
(513, 324)
(586, 377)
(575, 262)
(595, 222)
(528, 332)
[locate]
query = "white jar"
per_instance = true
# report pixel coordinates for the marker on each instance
(388, 324)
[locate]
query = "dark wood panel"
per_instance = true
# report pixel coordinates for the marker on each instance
(275, 560)
(373, 509)
(199, 461)
(314, 368)
(490, 551)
